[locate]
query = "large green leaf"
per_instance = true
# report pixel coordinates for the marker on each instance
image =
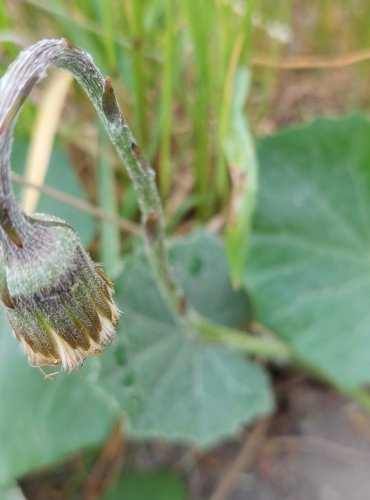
(41, 421)
(309, 271)
(61, 176)
(171, 384)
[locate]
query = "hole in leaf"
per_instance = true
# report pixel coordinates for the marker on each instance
(196, 266)
(120, 354)
(128, 379)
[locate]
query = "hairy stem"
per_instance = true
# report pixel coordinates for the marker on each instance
(266, 347)
(30, 67)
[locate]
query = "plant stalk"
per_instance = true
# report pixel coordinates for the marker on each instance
(265, 347)
(30, 67)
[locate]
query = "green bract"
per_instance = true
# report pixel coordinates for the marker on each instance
(58, 301)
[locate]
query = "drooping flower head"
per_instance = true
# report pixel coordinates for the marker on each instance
(58, 301)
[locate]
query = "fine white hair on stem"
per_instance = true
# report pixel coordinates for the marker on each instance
(31, 66)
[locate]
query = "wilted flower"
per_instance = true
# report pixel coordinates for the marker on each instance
(58, 301)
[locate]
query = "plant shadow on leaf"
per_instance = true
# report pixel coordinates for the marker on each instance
(310, 259)
(183, 388)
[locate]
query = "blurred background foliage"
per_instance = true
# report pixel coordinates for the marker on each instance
(174, 65)
(186, 73)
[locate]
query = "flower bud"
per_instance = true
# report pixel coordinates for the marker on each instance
(58, 301)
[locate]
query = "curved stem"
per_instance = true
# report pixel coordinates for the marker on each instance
(30, 67)
(15, 86)
(266, 347)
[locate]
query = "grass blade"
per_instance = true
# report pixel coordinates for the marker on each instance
(110, 237)
(242, 162)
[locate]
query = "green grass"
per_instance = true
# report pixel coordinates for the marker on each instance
(173, 64)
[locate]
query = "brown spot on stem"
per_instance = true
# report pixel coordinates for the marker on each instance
(108, 87)
(137, 153)
(151, 224)
(109, 102)
(68, 44)
(136, 150)
(182, 306)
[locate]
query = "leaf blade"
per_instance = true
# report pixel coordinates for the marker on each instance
(309, 264)
(183, 388)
